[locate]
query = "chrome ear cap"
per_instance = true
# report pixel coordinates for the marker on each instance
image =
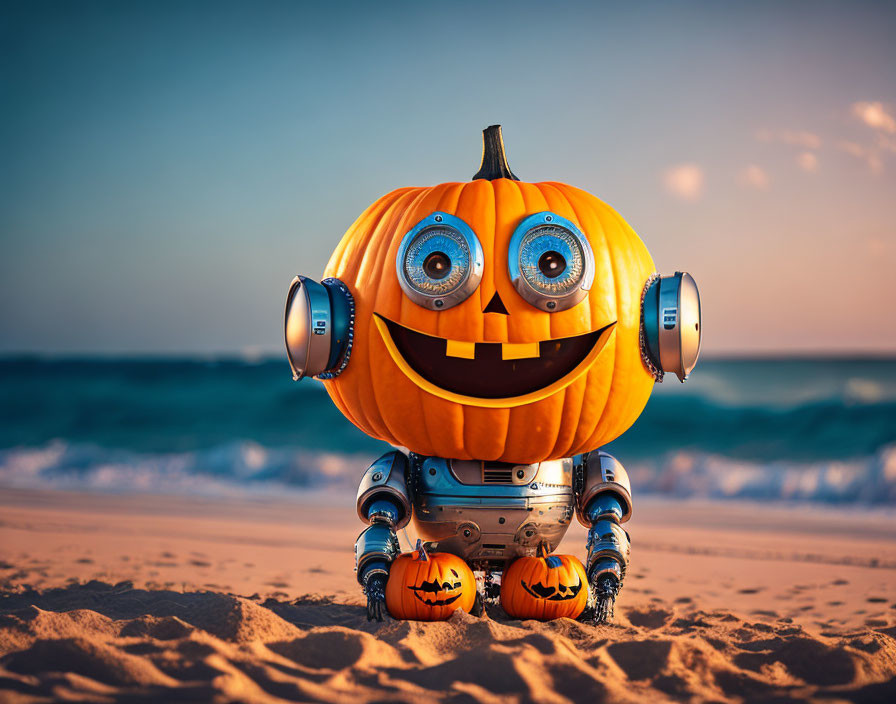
(671, 325)
(318, 327)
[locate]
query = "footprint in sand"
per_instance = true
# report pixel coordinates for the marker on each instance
(650, 618)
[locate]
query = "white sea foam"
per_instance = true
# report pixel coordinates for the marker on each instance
(242, 467)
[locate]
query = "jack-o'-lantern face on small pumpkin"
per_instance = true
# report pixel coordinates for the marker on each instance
(544, 587)
(439, 592)
(494, 320)
(429, 586)
(553, 592)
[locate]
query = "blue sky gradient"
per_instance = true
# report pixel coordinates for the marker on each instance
(168, 167)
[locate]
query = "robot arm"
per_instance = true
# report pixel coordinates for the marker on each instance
(603, 504)
(384, 502)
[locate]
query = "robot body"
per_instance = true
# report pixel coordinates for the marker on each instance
(524, 322)
(490, 514)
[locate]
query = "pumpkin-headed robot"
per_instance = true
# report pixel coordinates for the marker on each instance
(497, 333)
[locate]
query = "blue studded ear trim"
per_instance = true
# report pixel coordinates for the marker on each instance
(654, 370)
(351, 331)
(553, 562)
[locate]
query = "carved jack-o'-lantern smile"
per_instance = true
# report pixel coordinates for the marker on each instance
(435, 587)
(491, 374)
(561, 592)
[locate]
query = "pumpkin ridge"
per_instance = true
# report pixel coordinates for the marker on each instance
(340, 268)
(625, 258)
(381, 240)
(431, 408)
(403, 223)
(519, 429)
(595, 212)
(563, 420)
(350, 278)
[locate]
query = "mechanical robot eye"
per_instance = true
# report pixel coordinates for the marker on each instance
(550, 261)
(439, 262)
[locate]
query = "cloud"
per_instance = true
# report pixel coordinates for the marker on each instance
(753, 176)
(794, 138)
(869, 156)
(684, 181)
(807, 161)
(875, 115)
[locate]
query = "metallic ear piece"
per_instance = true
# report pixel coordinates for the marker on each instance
(318, 327)
(670, 325)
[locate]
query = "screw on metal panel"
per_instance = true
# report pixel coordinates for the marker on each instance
(548, 218)
(467, 533)
(551, 305)
(439, 303)
(533, 485)
(438, 218)
(432, 471)
(501, 520)
(520, 474)
(377, 476)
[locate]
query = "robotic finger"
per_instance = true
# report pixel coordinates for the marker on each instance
(375, 589)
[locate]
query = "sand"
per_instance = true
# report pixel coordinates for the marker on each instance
(136, 598)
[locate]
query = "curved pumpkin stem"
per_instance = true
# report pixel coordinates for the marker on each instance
(541, 550)
(421, 551)
(494, 160)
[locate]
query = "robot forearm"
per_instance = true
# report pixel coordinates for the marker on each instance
(608, 543)
(375, 549)
(604, 503)
(384, 502)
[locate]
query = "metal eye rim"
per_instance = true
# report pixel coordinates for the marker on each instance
(540, 299)
(467, 285)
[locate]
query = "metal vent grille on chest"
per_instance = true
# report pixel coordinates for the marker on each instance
(497, 474)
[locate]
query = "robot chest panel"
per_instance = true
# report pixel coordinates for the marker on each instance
(490, 513)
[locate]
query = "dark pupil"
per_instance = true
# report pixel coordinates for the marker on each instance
(437, 265)
(552, 264)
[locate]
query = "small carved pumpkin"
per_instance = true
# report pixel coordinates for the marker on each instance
(429, 586)
(484, 370)
(544, 587)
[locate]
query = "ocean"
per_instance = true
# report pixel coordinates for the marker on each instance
(807, 430)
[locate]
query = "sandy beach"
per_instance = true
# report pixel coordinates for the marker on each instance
(144, 598)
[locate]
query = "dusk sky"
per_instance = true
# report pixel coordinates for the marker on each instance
(166, 168)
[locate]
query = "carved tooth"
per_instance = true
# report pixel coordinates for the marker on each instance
(519, 350)
(464, 350)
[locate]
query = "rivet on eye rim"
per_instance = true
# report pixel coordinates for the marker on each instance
(551, 304)
(439, 303)
(548, 218)
(438, 218)
(377, 476)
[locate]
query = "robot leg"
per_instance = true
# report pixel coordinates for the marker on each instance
(604, 503)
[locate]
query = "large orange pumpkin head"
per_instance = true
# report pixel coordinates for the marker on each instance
(429, 586)
(544, 587)
(493, 320)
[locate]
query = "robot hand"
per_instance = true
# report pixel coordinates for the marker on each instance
(375, 590)
(604, 588)
(604, 583)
